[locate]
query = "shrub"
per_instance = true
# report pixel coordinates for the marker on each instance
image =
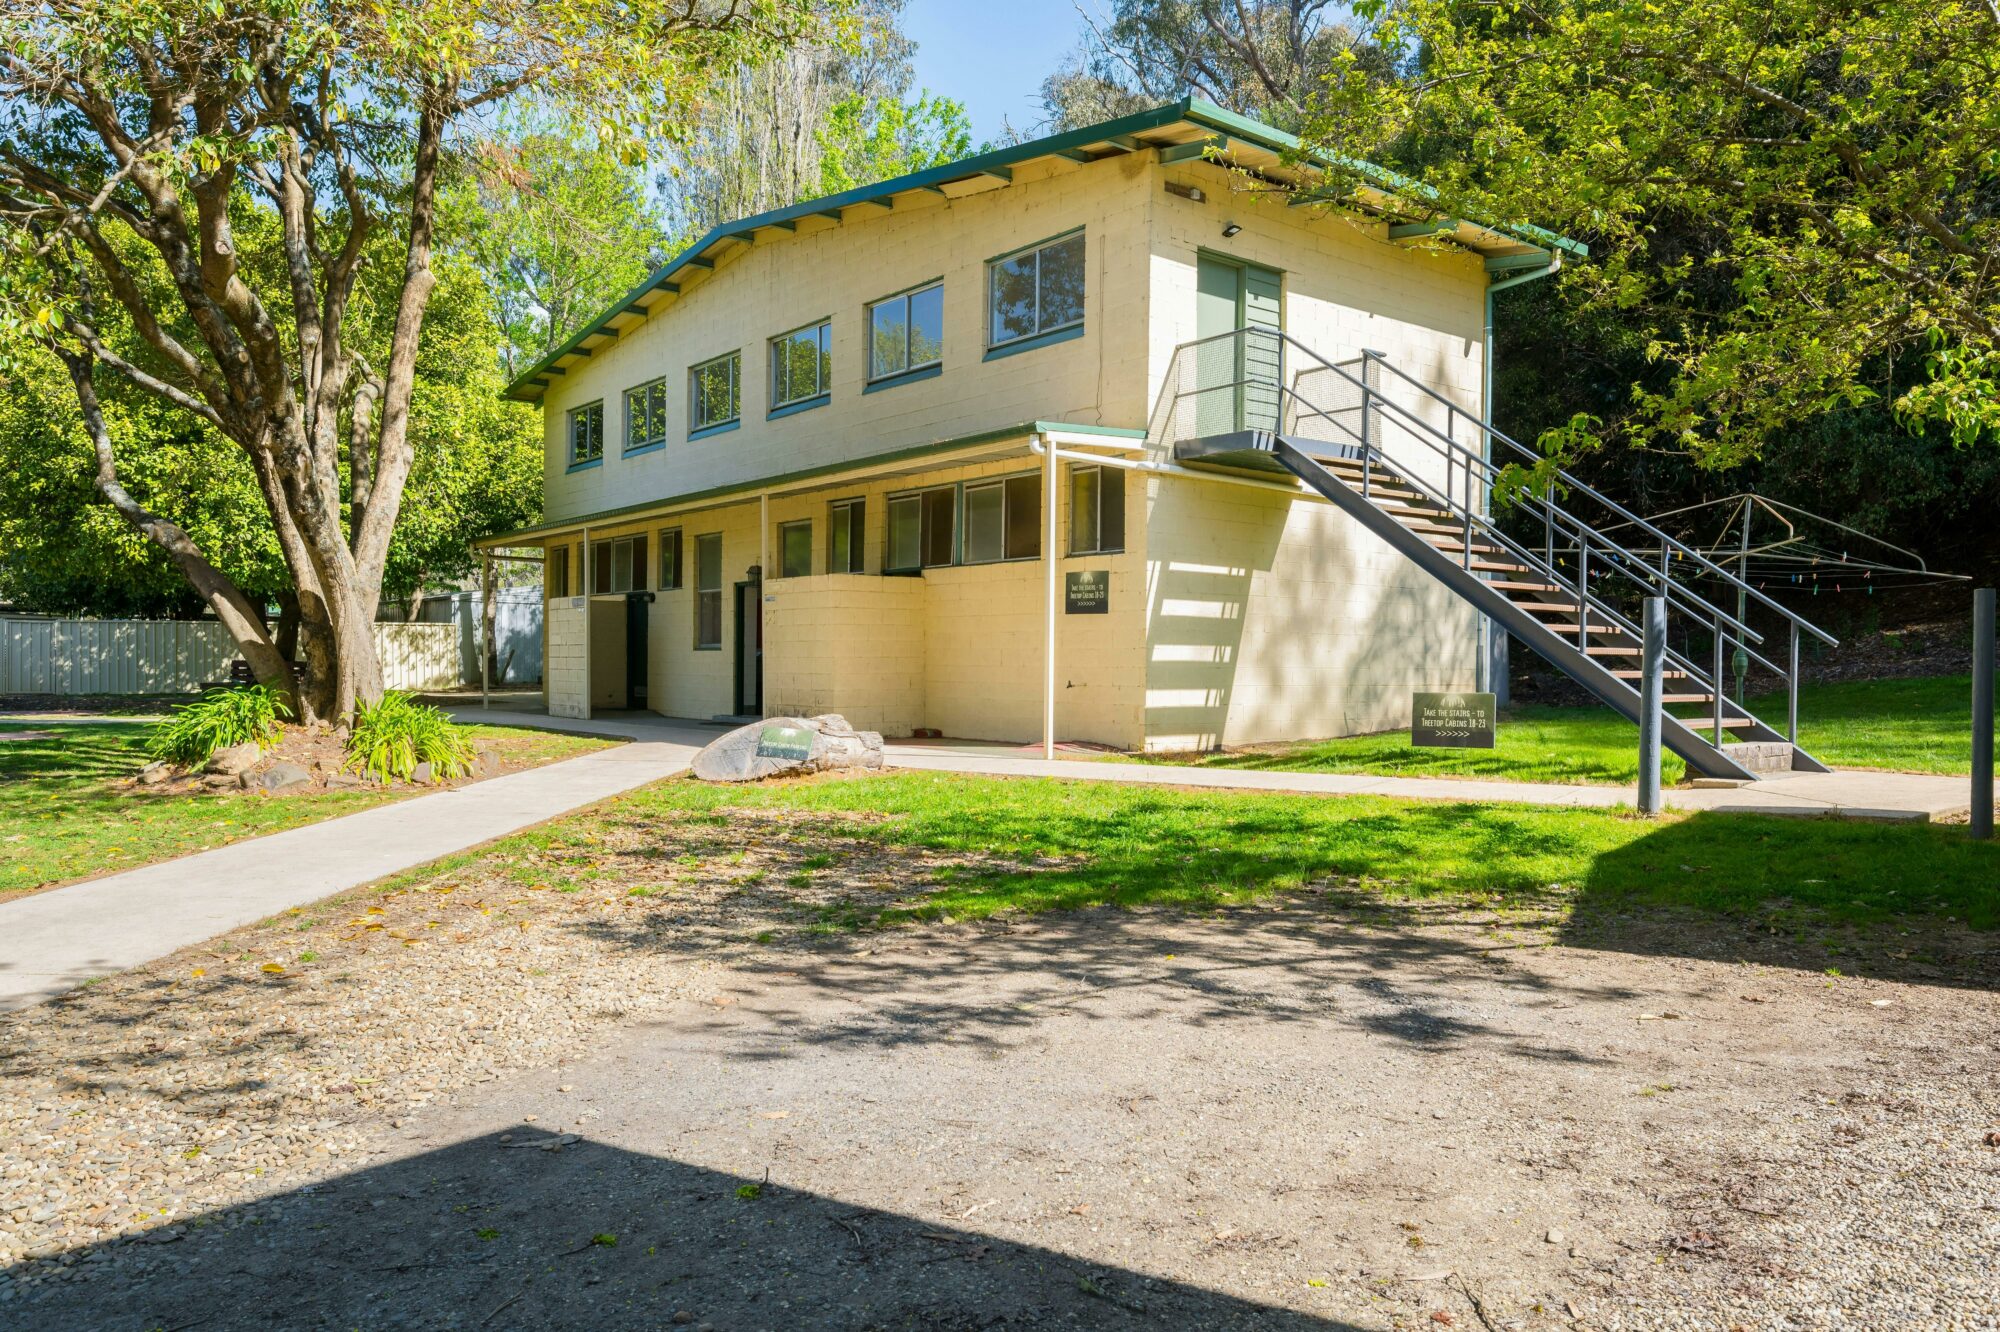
(192, 733)
(392, 735)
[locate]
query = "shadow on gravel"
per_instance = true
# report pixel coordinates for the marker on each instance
(992, 983)
(549, 1232)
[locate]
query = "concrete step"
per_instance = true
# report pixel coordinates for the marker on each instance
(1761, 756)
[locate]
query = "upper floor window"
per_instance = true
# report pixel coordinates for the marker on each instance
(1096, 510)
(802, 365)
(906, 332)
(1035, 291)
(645, 416)
(586, 434)
(715, 392)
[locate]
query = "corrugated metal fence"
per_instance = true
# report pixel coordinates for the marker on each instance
(175, 656)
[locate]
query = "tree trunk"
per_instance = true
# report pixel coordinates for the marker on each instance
(287, 636)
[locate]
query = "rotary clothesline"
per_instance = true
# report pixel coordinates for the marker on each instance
(1796, 562)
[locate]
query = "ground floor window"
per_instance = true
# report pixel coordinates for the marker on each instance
(555, 573)
(670, 560)
(708, 590)
(844, 531)
(923, 529)
(1002, 519)
(1096, 511)
(795, 549)
(618, 565)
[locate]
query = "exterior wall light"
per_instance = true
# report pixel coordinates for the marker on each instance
(1230, 229)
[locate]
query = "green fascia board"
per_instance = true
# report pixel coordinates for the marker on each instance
(1203, 112)
(1418, 230)
(604, 516)
(1122, 132)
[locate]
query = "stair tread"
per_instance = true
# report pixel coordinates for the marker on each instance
(1507, 586)
(1594, 629)
(1664, 675)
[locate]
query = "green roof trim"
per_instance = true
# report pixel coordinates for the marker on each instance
(1123, 132)
(957, 442)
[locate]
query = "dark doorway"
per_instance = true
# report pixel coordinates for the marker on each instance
(750, 648)
(636, 612)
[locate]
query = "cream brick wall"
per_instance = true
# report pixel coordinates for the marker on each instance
(847, 643)
(833, 270)
(567, 660)
(1273, 618)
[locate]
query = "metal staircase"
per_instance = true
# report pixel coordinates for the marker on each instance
(1417, 470)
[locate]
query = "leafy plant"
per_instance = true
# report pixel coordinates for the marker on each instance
(394, 734)
(219, 719)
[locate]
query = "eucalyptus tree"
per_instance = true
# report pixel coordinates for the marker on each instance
(137, 137)
(1781, 197)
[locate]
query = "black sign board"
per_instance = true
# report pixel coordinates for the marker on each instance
(1451, 721)
(1089, 592)
(785, 742)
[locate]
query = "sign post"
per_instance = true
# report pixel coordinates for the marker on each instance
(1653, 657)
(1982, 713)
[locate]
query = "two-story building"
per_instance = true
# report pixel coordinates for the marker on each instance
(906, 453)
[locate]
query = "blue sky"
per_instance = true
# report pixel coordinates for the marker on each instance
(991, 55)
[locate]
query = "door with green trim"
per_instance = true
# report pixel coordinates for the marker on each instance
(1236, 379)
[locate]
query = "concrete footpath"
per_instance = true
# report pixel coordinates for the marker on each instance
(1895, 796)
(53, 941)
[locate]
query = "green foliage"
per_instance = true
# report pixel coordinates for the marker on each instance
(1777, 197)
(192, 733)
(392, 735)
(863, 144)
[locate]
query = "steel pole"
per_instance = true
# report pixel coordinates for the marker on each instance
(1982, 713)
(485, 629)
(1653, 659)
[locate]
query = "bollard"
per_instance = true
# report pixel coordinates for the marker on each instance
(1982, 713)
(1652, 667)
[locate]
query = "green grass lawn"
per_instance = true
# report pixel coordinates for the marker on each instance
(65, 814)
(1014, 844)
(1919, 725)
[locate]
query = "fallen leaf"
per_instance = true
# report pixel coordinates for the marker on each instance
(272, 968)
(777, 1114)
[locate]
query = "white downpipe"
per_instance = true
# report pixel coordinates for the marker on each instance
(589, 682)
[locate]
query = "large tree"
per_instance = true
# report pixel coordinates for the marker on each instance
(138, 137)
(1783, 199)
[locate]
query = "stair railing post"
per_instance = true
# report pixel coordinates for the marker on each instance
(1652, 664)
(1582, 587)
(1716, 682)
(1792, 692)
(1982, 713)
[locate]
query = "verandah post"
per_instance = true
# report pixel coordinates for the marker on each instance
(1049, 561)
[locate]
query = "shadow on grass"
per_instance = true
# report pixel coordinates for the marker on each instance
(925, 847)
(483, 1233)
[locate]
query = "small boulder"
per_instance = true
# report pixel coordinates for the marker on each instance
(155, 773)
(218, 780)
(341, 781)
(787, 747)
(486, 764)
(423, 773)
(234, 760)
(278, 777)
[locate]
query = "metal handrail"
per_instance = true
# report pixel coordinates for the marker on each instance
(1480, 471)
(1575, 483)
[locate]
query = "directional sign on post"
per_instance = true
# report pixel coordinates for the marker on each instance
(1451, 721)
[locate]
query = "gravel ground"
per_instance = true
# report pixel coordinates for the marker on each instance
(476, 1101)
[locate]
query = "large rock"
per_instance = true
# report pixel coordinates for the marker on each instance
(278, 777)
(788, 747)
(233, 760)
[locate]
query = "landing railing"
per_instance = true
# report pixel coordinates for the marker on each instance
(1262, 378)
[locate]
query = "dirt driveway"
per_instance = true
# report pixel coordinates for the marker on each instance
(1313, 1115)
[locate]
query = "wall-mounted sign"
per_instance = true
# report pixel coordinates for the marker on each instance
(1451, 721)
(785, 742)
(1088, 592)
